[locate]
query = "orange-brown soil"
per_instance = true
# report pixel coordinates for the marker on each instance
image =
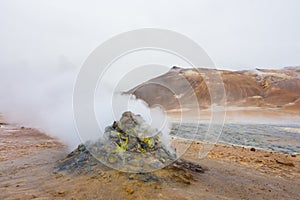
(28, 157)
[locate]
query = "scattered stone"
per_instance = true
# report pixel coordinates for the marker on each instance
(81, 147)
(128, 189)
(57, 176)
(182, 178)
(157, 187)
(290, 164)
(61, 193)
(183, 164)
(131, 177)
(252, 149)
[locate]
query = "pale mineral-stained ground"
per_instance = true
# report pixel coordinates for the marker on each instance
(28, 158)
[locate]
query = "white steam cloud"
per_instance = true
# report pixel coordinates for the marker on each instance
(114, 104)
(42, 98)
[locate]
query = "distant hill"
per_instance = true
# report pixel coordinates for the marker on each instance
(257, 88)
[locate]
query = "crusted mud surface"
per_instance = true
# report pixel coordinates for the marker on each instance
(29, 160)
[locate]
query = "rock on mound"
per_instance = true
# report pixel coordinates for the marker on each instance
(130, 144)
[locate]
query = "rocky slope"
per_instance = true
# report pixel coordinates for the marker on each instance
(258, 88)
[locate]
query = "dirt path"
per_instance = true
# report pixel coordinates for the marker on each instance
(27, 159)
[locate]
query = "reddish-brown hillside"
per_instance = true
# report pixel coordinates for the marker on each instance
(260, 87)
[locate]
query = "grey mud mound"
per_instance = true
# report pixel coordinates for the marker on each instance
(80, 160)
(129, 145)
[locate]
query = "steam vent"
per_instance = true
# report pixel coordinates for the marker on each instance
(129, 145)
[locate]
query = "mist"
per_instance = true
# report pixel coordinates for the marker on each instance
(44, 43)
(42, 98)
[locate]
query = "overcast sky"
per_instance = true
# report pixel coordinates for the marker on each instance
(236, 34)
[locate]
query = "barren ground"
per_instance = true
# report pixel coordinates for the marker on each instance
(27, 159)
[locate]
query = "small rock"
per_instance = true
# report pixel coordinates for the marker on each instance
(61, 193)
(157, 187)
(128, 189)
(252, 149)
(131, 177)
(290, 164)
(81, 147)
